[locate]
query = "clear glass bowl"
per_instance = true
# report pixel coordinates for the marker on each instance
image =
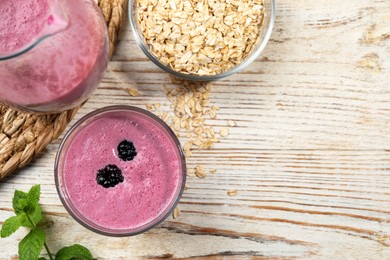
(264, 36)
(59, 174)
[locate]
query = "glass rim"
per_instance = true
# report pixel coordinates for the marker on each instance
(254, 55)
(123, 232)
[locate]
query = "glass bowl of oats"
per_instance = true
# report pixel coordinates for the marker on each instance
(202, 40)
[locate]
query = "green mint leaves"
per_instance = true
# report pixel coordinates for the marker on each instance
(12, 224)
(24, 204)
(19, 201)
(31, 245)
(27, 203)
(29, 214)
(73, 252)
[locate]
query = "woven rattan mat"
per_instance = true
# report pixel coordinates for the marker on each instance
(23, 136)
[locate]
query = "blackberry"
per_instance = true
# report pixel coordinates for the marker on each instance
(126, 150)
(109, 176)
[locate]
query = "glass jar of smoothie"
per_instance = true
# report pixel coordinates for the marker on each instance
(52, 53)
(120, 171)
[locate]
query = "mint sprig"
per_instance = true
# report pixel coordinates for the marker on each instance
(31, 245)
(29, 214)
(75, 251)
(12, 224)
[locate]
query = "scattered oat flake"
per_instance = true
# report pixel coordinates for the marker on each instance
(199, 172)
(188, 153)
(149, 107)
(231, 123)
(232, 193)
(213, 171)
(176, 213)
(187, 145)
(157, 105)
(132, 92)
(224, 132)
(212, 113)
(165, 117)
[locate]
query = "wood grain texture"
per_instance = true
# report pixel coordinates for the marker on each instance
(310, 157)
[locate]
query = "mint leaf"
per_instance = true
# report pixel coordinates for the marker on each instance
(31, 246)
(12, 224)
(33, 195)
(19, 201)
(74, 252)
(35, 215)
(26, 202)
(23, 202)
(42, 258)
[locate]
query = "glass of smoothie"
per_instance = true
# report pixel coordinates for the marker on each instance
(120, 171)
(53, 53)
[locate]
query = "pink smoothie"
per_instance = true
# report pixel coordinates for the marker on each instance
(63, 69)
(152, 180)
(21, 21)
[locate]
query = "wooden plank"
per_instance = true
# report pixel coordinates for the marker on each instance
(309, 157)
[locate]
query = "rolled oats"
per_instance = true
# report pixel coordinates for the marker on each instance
(231, 123)
(132, 91)
(224, 132)
(232, 193)
(189, 111)
(199, 172)
(176, 213)
(204, 37)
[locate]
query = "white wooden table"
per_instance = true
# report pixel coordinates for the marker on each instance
(310, 157)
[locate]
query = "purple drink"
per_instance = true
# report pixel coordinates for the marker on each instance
(151, 181)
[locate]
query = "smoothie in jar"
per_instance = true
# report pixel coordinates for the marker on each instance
(120, 171)
(52, 53)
